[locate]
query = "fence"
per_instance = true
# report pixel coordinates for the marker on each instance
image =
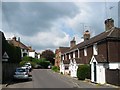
(113, 76)
(8, 71)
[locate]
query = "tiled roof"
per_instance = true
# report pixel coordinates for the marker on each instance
(100, 58)
(113, 33)
(17, 44)
(30, 49)
(64, 49)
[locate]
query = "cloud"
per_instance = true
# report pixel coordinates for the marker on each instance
(44, 40)
(29, 18)
(46, 25)
(92, 17)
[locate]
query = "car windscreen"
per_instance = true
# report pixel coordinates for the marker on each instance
(28, 64)
(20, 70)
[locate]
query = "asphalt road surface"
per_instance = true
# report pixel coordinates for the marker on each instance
(46, 78)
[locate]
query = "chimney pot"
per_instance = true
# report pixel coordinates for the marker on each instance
(109, 23)
(72, 43)
(14, 38)
(86, 35)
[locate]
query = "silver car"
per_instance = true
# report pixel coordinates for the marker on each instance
(21, 73)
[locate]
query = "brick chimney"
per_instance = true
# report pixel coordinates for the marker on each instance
(19, 39)
(72, 43)
(109, 23)
(86, 35)
(14, 38)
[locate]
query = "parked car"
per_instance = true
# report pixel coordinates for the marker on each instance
(37, 66)
(21, 73)
(29, 66)
(49, 66)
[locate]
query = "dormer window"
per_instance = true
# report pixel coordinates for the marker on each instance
(85, 51)
(95, 49)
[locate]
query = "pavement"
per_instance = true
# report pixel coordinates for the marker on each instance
(87, 83)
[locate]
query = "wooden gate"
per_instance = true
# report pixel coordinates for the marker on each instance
(113, 76)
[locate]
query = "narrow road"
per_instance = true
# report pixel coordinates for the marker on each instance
(45, 78)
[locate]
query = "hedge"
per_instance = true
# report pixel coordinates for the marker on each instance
(55, 68)
(83, 72)
(13, 52)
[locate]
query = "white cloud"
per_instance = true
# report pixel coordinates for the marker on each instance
(44, 40)
(63, 28)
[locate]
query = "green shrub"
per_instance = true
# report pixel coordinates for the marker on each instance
(22, 63)
(43, 62)
(27, 59)
(83, 72)
(55, 68)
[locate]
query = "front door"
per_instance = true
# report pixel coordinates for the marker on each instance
(94, 63)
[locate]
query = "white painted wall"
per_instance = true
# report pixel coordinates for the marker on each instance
(114, 65)
(73, 54)
(31, 54)
(69, 56)
(23, 51)
(63, 57)
(95, 49)
(92, 68)
(100, 72)
(38, 56)
(85, 51)
(92, 73)
(62, 67)
(74, 68)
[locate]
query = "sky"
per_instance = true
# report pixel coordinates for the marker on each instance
(49, 25)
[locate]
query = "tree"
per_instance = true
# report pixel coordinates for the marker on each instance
(49, 55)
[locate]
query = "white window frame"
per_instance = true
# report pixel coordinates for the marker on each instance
(85, 51)
(95, 49)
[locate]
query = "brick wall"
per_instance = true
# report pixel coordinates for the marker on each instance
(102, 49)
(89, 53)
(114, 51)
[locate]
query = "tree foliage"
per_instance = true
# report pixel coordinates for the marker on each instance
(43, 62)
(48, 55)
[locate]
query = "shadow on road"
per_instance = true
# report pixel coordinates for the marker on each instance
(16, 81)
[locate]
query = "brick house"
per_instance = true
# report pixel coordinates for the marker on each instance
(58, 53)
(101, 52)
